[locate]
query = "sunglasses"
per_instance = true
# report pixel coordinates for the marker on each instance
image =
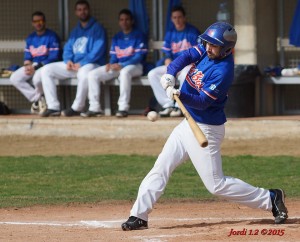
(38, 21)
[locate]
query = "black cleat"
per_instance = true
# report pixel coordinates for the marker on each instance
(89, 114)
(50, 113)
(70, 113)
(121, 114)
(134, 223)
(279, 210)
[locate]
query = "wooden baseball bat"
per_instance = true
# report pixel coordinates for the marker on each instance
(195, 128)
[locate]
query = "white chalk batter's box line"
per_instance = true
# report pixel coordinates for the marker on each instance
(117, 223)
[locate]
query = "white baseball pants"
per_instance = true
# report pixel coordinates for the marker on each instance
(20, 80)
(182, 144)
(53, 72)
(159, 93)
(125, 75)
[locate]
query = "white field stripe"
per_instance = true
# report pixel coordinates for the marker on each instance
(40, 223)
(156, 238)
(117, 223)
(93, 224)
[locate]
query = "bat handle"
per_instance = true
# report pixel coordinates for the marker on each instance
(192, 123)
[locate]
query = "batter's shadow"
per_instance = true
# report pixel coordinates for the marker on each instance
(247, 222)
(271, 222)
(200, 225)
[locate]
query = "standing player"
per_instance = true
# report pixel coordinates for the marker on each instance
(42, 47)
(127, 53)
(177, 40)
(84, 51)
(204, 94)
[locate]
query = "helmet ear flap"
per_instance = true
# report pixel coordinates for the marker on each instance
(228, 51)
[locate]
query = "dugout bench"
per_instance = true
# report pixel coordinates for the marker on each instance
(18, 46)
(283, 84)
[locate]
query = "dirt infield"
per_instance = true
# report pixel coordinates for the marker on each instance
(174, 221)
(28, 135)
(47, 146)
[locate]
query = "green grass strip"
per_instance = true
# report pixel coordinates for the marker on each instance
(27, 181)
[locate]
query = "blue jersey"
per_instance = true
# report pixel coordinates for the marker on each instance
(177, 41)
(204, 91)
(86, 45)
(128, 49)
(42, 49)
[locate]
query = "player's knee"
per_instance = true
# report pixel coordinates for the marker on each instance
(36, 81)
(124, 72)
(82, 75)
(151, 76)
(13, 78)
(46, 71)
(211, 190)
(125, 75)
(92, 76)
(217, 190)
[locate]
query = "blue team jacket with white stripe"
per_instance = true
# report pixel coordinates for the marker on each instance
(128, 49)
(42, 49)
(204, 91)
(176, 42)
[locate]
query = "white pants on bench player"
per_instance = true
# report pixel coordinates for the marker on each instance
(53, 72)
(34, 92)
(160, 94)
(125, 75)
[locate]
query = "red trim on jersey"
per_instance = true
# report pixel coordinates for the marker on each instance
(196, 47)
(165, 48)
(191, 83)
(208, 94)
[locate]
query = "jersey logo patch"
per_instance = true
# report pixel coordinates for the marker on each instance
(180, 46)
(212, 87)
(80, 45)
(38, 51)
(129, 51)
(194, 78)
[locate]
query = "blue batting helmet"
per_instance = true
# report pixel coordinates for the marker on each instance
(220, 34)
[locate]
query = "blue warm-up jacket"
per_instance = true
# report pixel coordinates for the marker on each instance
(86, 45)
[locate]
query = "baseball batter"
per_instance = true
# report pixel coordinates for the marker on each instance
(204, 93)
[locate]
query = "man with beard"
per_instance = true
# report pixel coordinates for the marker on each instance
(42, 47)
(204, 94)
(84, 51)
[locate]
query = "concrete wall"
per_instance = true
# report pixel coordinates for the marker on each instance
(15, 20)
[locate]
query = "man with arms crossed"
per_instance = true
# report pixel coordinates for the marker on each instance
(42, 47)
(204, 93)
(83, 52)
